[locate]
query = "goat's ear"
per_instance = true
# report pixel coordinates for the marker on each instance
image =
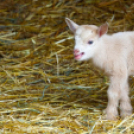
(72, 25)
(103, 29)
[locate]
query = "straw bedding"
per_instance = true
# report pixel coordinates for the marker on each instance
(42, 88)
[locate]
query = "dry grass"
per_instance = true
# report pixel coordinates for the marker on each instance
(42, 88)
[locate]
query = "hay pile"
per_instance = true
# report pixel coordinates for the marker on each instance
(42, 88)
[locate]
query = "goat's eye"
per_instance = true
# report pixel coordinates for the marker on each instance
(90, 42)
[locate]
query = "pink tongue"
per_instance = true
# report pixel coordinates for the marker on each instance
(78, 56)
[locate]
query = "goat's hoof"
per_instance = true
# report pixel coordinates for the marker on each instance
(125, 113)
(110, 116)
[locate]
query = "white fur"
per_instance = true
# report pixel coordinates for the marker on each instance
(115, 55)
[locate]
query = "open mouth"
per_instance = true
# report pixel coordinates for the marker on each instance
(78, 56)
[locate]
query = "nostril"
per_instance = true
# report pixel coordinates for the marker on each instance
(76, 51)
(82, 53)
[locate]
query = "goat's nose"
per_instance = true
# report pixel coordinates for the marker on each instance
(76, 51)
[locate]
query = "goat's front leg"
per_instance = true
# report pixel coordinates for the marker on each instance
(125, 103)
(116, 83)
(112, 107)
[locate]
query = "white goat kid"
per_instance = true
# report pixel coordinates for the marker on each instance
(112, 53)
